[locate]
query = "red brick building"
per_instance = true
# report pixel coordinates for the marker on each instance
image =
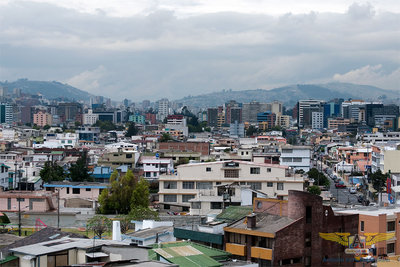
(287, 233)
(199, 147)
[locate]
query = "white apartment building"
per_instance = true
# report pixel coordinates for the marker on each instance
(177, 123)
(206, 188)
(163, 109)
(317, 120)
(90, 118)
(153, 167)
(380, 137)
(4, 176)
(296, 157)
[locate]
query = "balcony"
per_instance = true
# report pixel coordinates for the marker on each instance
(261, 253)
(236, 249)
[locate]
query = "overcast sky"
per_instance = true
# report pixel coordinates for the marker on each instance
(149, 49)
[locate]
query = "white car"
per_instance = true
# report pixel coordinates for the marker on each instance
(352, 190)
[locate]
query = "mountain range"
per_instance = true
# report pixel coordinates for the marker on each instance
(289, 95)
(49, 89)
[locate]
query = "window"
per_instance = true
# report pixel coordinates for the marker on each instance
(67, 190)
(208, 169)
(270, 184)
(169, 185)
(286, 159)
(169, 198)
(254, 170)
(196, 205)
(279, 186)
(128, 156)
(237, 238)
(268, 169)
(362, 226)
(287, 150)
(390, 248)
(148, 174)
(216, 205)
(204, 185)
(255, 185)
(188, 185)
(231, 173)
(76, 190)
(308, 214)
(297, 159)
(88, 189)
(167, 207)
(391, 226)
(155, 174)
(308, 239)
(186, 198)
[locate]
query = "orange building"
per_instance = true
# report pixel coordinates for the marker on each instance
(381, 220)
(42, 118)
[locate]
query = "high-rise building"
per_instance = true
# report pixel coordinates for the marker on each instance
(250, 111)
(212, 117)
(233, 112)
(317, 121)
(276, 107)
(163, 109)
(145, 104)
(69, 111)
(305, 110)
(6, 113)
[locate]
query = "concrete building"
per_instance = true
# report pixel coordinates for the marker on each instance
(296, 157)
(334, 123)
(212, 117)
(163, 109)
(90, 118)
(208, 187)
(42, 118)
(317, 120)
(6, 113)
(250, 111)
(177, 123)
(305, 109)
(236, 130)
(4, 177)
(283, 121)
(153, 167)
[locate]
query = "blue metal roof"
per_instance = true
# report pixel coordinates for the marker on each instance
(76, 186)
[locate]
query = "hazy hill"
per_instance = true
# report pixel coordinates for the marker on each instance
(289, 95)
(50, 90)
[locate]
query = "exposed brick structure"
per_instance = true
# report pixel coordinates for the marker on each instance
(200, 147)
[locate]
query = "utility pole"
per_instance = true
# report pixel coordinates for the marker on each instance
(58, 208)
(19, 215)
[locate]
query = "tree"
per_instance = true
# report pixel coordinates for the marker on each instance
(125, 222)
(378, 180)
(251, 130)
(77, 123)
(314, 190)
(52, 172)
(319, 177)
(4, 220)
(79, 171)
(99, 225)
(141, 194)
(117, 198)
(105, 126)
(142, 213)
(46, 127)
(165, 137)
(132, 130)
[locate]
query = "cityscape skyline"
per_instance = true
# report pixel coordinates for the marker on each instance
(174, 50)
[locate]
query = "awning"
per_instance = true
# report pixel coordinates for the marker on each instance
(96, 255)
(396, 188)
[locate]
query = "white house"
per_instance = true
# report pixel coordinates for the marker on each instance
(297, 157)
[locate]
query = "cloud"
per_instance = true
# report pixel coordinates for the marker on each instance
(88, 80)
(166, 48)
(371, 75)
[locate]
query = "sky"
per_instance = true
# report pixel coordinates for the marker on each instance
(150, 49)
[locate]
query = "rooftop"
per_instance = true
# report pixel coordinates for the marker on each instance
(371, 211)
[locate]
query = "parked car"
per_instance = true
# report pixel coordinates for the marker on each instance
(352, 190)
(340, 185)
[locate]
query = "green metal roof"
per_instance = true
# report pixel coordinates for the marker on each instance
(188, 254)
(234, 213)
(7, 259)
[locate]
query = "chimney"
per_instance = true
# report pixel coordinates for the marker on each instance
(251, 220)
(116, 232)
